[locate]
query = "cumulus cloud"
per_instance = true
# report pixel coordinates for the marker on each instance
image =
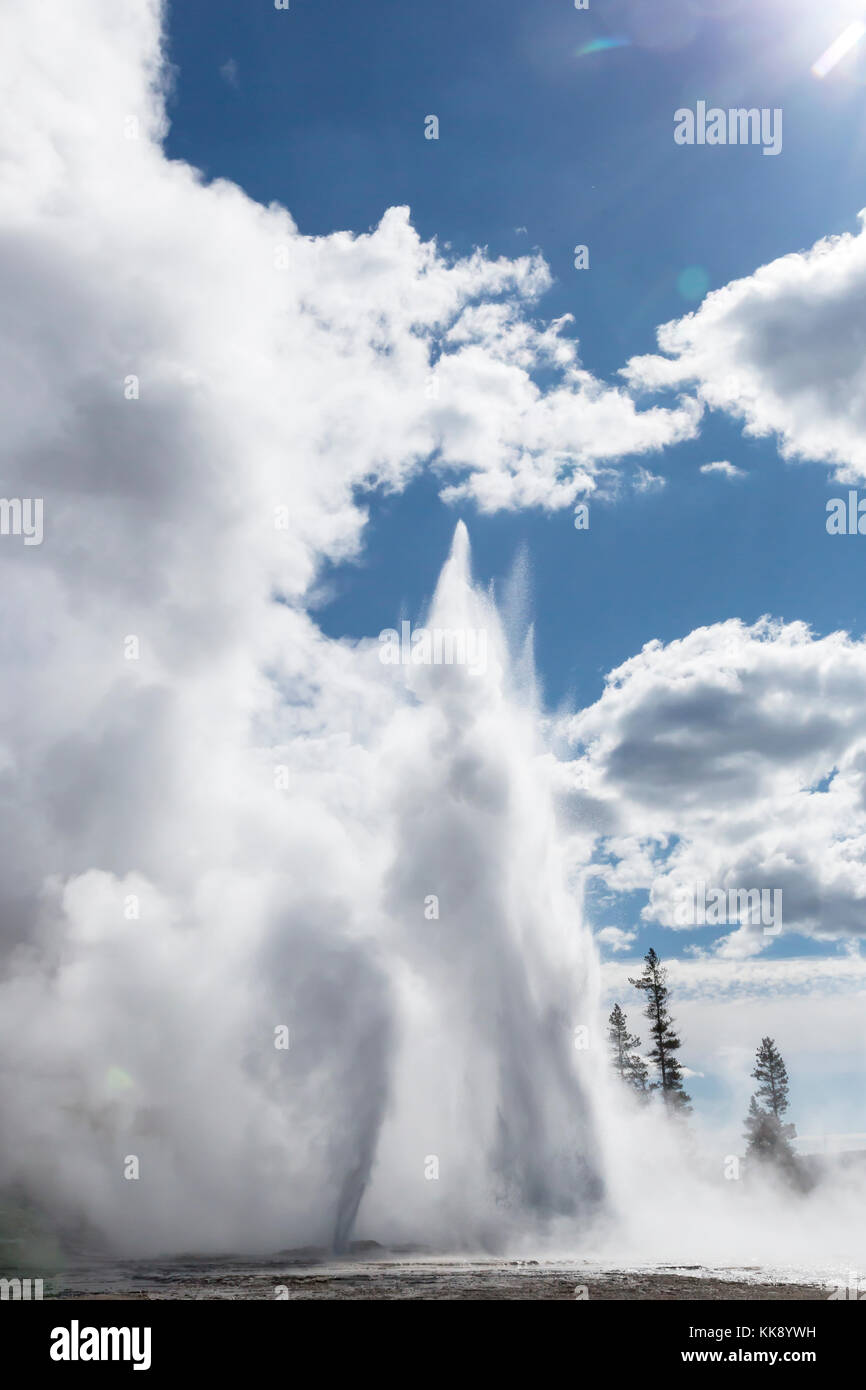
(781, 350)
(725, 468)
(733, 758)
(615, 937)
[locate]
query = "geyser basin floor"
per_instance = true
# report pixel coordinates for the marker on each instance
(389, 1279)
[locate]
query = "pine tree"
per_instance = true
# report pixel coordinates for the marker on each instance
(770, 1071)
(768, 1137)
(761, 1131)
(666, 1044)
(628, 1063)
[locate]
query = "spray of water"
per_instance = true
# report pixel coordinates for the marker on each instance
(488, 1086)
(410, 918)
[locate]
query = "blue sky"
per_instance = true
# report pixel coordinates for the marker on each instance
(327, 117)
(266, 348)
(544, 146)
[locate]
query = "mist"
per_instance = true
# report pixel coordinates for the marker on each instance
(408, 919)
(293, 950)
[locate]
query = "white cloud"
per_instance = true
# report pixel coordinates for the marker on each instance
(734, 758)
(615, 938)
(710, 980)
(782, 350)
(725, 468)
(645, 481)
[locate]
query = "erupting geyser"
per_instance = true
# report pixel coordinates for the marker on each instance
(402, 914)
(487, 1081)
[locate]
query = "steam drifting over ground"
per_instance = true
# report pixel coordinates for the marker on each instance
(438, 1090)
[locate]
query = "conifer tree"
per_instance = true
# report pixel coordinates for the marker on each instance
(770, 1071)
(627, 1063)
(761, 1132)
(768, 1136)
(666, 1044)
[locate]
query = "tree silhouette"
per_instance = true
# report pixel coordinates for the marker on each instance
(666, 1044)
(627, 1063)
(768, 1136)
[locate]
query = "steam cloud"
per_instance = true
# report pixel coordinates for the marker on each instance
(237, 830)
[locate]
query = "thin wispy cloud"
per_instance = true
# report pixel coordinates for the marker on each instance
(724, 468)
(229, 73)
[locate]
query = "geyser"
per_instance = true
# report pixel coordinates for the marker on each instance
(487, 1079)
(432, 1091)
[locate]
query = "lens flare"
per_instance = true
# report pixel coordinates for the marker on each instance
(847, 40)
(693, 282)
(600, 45)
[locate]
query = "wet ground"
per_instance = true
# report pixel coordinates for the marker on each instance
(413, 1279)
